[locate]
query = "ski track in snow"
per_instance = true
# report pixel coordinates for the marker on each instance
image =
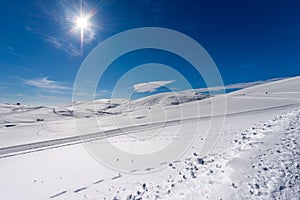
(56, 143)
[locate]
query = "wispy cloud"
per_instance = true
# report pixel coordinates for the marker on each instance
(4, 85)
(60, 42)
(236, 85)
(46, 84)
(13, 51)
(102, 93)
(150, 86)
(63, 45)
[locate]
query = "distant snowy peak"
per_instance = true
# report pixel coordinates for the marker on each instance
(118, 106)
(161, 99)
(103, 107)
(169, 98)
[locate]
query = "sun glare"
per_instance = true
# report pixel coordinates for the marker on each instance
(82, 22)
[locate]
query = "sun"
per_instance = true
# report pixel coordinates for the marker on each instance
(82, 22)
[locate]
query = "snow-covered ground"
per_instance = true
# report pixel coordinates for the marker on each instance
(256, 156)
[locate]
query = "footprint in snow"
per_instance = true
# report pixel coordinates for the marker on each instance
(116, 177)
(80, 189)
(58, 194)
(97, 182)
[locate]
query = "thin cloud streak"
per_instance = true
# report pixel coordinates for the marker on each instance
(46, 84)
(62, 45)
(102, 93)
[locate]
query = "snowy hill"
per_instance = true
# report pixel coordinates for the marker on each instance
(30, 114)
(168, 99)
(118, 106)
(254, 156)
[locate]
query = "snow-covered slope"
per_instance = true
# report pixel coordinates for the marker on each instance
(168, 99)
(285, 88)
(119, 106)
(26, 113)
(256, 156)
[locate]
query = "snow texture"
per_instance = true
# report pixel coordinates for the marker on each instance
(257, 155)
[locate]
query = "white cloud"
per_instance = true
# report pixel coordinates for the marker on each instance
(150, 86)
(235, 86)
(46, 84)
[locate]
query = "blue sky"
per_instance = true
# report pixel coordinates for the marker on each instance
(40, 55)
